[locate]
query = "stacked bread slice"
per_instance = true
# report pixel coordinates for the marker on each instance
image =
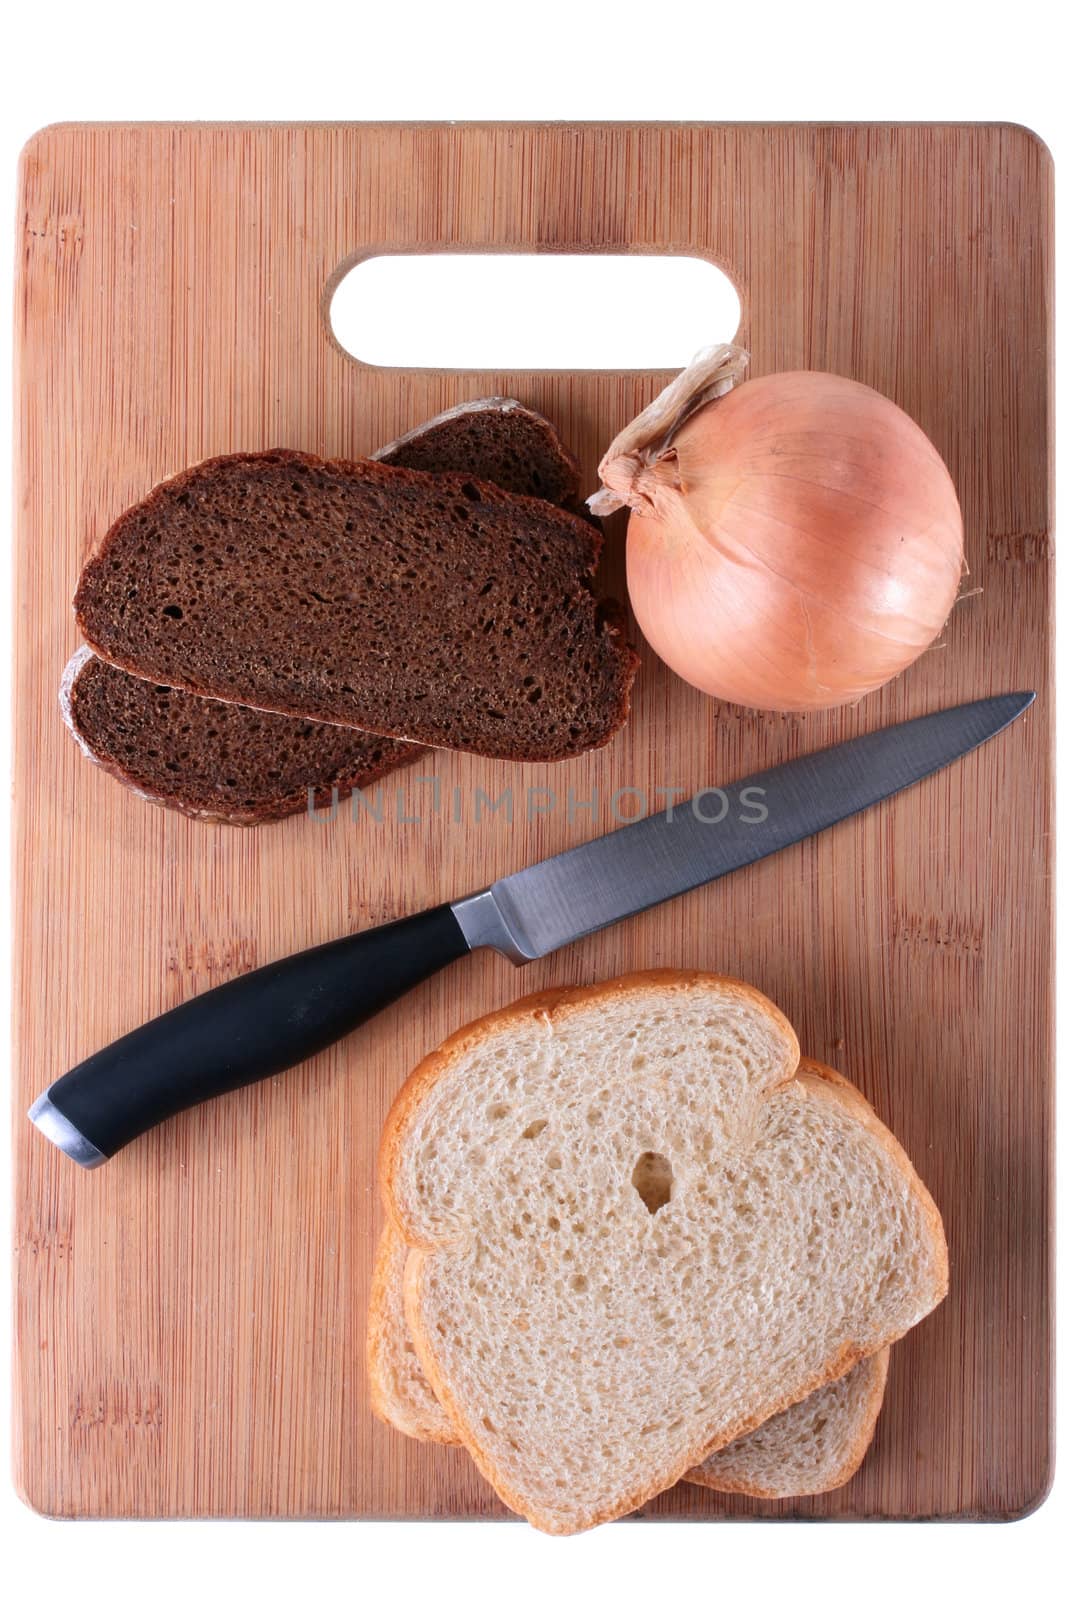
(631, 1237)
(809, 1448)
(229, 763)
(266, 625)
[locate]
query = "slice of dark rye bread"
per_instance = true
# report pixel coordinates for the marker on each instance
(226, 763)
(497, 439)
(212, 760)
(437, 609)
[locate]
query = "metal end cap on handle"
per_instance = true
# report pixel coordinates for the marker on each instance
(63, 1134)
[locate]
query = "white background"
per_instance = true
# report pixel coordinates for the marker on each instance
(801, 60)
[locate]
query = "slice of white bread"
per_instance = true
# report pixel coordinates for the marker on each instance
(399, 1390)
(810, 1448)
(634, 1235)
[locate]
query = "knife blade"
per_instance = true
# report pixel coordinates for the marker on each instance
(567, 896)
(267, 1020)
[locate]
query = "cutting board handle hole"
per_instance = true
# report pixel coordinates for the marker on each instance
(559, 312)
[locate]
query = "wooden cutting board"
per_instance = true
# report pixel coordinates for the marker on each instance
(190, 1318)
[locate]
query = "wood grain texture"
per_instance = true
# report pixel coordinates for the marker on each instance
(190, 1318)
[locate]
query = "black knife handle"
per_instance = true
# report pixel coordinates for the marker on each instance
(241, 1031)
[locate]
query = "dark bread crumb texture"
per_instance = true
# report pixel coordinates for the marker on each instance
(211, 759)
(497, 440)
(440, 610)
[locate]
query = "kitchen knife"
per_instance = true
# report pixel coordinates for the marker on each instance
(270, 1019)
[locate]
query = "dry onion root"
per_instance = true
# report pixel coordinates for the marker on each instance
(794, 541)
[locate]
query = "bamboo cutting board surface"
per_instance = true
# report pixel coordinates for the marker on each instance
(190, 1318)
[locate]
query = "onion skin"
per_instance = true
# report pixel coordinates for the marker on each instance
(797, 545)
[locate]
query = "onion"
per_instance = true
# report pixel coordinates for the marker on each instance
(793, 543)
